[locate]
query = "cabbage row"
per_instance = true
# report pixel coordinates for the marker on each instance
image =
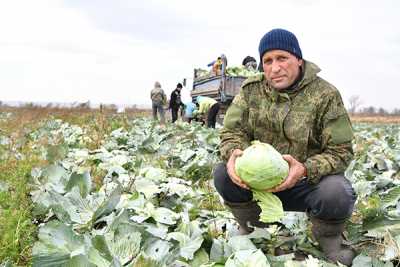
(144, 198)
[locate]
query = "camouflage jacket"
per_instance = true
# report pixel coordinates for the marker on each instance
(308, 122)
(158, 96)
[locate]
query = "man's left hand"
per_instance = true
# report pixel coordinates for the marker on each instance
(296, 172)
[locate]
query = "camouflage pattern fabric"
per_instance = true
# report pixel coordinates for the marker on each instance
(308, 122)
(158, 96)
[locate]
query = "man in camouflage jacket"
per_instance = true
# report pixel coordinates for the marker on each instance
(303, 117)
(158, 99)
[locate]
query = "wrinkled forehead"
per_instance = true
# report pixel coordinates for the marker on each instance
(277, 53)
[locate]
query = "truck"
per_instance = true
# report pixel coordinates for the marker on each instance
(222, 88)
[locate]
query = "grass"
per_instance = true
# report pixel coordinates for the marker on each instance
(17, 232)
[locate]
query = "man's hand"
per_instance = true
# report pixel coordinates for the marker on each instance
(230, 167)
(296, 171)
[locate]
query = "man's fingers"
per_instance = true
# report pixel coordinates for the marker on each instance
(279, 188)
(242, 185)
(239, 182)
(287, 184)
(288, 158)
(231, 169)
(236, 179)
(237, 153)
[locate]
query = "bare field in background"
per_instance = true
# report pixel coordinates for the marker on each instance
(388, 119)
(35, 111)
(31, 114)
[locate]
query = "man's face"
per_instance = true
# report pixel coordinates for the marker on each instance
(281, 68)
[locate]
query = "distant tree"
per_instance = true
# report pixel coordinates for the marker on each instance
(382, 111)
(112, 107)
(396, 111)
(29, 105)
(108, 107)
(84, 105)
(369, 110)
(355, 102)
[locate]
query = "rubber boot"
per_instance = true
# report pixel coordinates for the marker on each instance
(329, 236)
(247, 214)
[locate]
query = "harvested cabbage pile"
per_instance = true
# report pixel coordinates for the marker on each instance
(261, 167)
(240, 71)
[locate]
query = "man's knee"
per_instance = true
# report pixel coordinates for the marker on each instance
(335, 198)
(220, 175)
(227, 189)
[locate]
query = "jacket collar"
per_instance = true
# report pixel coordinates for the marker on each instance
(310, 71)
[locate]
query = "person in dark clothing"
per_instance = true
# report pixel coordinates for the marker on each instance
(175, 102)
(250, 63)
(212, 115)
(208, 107)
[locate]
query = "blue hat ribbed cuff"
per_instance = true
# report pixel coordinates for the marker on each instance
(282, 40)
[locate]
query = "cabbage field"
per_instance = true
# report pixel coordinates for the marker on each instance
(119, 190)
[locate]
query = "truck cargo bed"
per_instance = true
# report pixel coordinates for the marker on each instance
(215, 86)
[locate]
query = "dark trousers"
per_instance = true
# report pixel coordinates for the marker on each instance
(331, 199)
(212, 115)
(158, 107)
(174, 113)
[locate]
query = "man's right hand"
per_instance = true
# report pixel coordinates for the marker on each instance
(230, 167)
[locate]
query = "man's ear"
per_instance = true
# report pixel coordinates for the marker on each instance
(300, 62)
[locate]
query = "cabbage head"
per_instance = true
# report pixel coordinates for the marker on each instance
(261, 167)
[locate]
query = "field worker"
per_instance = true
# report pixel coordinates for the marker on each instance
(209, 107)
(190, 109)
(302, 116)
(175, 102)
(250, 63)
(217, 66)
(158, 99)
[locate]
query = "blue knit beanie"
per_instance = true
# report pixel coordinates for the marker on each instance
(279, 39)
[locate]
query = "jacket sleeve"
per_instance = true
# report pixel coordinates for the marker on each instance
(336, 141)
(202, 107)
(172, 99)
(234, 133)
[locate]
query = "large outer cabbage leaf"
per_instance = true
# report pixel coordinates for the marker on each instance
(247, 258)
(261, 166)
(271, 206)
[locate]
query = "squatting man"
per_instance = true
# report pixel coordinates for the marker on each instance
(303, 117)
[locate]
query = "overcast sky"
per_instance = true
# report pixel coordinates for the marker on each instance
(114, 51)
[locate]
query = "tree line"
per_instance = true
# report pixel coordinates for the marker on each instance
(356, 108)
